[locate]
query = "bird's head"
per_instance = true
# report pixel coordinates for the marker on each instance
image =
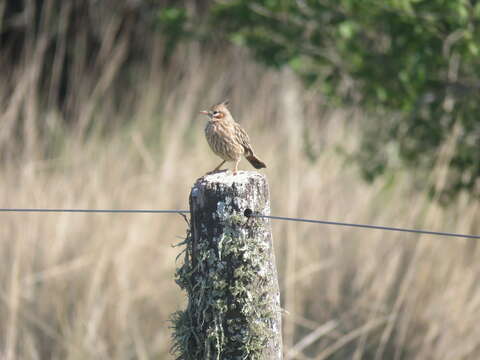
(218, 112)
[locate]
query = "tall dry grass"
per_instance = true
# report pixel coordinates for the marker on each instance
(85, 286)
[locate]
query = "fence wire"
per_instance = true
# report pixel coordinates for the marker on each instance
(111, 211)
(366, 226)
(250, 213)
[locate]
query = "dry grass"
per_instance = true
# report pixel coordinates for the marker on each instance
(77, 286)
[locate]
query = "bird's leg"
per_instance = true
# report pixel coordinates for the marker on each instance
(236, 167)
(217, 168)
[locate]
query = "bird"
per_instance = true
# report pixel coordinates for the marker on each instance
(227, 139)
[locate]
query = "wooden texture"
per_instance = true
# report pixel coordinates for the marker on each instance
(229, 273)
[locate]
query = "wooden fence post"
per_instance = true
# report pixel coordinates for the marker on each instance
(229, 273)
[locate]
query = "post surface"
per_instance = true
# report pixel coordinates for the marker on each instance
(229, 273)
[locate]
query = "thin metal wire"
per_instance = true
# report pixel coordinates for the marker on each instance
(147, 211)
(114, 211)
(389, 228)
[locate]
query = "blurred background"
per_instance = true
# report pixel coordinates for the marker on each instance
(365, 111)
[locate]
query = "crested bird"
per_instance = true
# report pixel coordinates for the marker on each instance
(227, 139)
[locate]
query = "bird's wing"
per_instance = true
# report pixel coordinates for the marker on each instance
(242, 138)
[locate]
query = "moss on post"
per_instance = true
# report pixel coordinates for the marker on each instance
(229, 273)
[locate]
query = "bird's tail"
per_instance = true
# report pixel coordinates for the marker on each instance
(256, 162)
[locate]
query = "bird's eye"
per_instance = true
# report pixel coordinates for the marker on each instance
(215, 112)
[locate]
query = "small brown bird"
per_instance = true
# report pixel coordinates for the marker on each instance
(227, 139)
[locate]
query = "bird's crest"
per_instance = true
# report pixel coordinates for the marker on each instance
(221, 106)
(220, 110)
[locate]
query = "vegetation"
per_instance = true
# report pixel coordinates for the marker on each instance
(123, 132)
(412, 66)
(419, 59)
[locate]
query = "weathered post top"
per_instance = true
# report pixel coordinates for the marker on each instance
(229, 273)
(246, 189)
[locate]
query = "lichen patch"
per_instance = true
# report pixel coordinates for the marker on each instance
(229, 276)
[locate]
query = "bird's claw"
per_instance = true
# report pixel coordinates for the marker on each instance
(215, 171)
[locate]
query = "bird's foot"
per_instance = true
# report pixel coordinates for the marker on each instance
(215, 171)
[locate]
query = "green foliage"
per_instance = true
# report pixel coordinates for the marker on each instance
(416, 59)
(171, 21)
(414, 65)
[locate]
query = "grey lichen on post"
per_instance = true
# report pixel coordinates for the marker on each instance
(229, 273)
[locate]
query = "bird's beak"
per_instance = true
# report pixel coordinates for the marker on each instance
(204, 112)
